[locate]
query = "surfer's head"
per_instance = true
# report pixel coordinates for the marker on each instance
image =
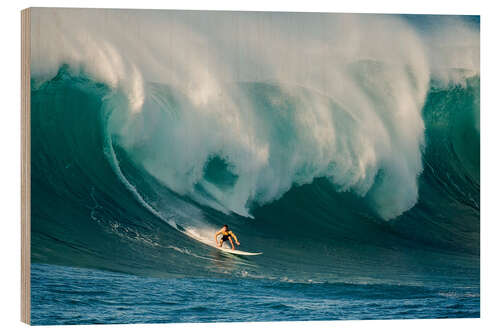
(225, 227)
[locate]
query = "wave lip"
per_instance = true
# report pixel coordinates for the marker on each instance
(355, 115)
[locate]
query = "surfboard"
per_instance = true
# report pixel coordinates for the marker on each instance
(210, 243)
(237, 252)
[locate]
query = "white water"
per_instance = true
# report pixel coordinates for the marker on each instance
(375, 68)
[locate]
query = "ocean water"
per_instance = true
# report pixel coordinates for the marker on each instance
(70, 296)
(350, 159)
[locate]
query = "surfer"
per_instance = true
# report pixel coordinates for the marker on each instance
(226, 235)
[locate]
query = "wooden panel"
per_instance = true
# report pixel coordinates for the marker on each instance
(25, 166)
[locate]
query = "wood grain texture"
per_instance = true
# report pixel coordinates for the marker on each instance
(25, 166)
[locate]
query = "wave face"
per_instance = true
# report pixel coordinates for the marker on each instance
(331, 156)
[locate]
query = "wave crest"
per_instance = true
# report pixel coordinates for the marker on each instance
(341, 99)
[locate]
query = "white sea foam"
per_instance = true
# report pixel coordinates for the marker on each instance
(350, 93)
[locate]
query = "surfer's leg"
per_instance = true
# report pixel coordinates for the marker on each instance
(231, 241)
(220, 242)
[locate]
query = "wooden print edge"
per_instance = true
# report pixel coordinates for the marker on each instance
(25, 167)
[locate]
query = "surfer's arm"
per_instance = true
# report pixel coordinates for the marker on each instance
(235, 238)
(217, 234)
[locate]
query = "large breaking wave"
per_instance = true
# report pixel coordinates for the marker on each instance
(345, 137)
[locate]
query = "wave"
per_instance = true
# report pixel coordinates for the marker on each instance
(365, 146)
